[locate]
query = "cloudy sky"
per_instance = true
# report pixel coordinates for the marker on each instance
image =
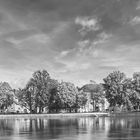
(74, 40)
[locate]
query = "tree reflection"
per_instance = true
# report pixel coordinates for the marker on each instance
(71, 128)
(126, 127)
(6, 127)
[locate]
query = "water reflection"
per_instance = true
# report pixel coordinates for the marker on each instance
(127, 127)
(70, 128)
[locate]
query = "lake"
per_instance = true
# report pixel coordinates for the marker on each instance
(81, 128)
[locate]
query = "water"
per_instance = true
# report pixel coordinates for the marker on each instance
(82, 128)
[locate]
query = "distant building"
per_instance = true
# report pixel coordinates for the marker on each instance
(16, 107)
(89, 89)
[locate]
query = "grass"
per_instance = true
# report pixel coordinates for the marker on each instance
(59, 115)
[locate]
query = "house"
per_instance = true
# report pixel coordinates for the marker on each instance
(96, 98)
(16, 107)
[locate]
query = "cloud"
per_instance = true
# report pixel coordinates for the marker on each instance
(64, 53)
(135, 20)
(72, 39)
(88, 47)
(88, 24)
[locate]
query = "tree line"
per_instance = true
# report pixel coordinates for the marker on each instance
(41, 91)
(123, 91)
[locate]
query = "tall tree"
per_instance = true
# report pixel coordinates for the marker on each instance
(67, 93)
(136, 85)
(54, 99)
(41, 81)
(81, 99)
(26, 96)
(128, 93)
(36, 93)
(113, 85)
(6, 95)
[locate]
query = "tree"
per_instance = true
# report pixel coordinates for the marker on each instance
(6, 95)
(67, 93)
(27, 95)
(136, 91)
(41, 81)
(35, 95)
(81, 98)
(128, 93)
(54, 99)
(113, 86)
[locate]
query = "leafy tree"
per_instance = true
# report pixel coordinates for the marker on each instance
(36, 93)
(113, 86)
(81, 99)
(67, 93)
(41, 81)
(128, 93)
(6, 95)
(54, 99)
(136, 91)
(27, 95)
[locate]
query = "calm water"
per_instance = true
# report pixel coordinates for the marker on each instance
(84, 128)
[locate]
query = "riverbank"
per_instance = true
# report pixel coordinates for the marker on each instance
(94, 114)
(125, 114)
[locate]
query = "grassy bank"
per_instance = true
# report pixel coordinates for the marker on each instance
(95, 114)
(126, 114)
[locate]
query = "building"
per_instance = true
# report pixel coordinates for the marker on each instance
(16, 107)
(96, 100)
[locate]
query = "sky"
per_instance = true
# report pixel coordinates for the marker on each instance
(74, 40)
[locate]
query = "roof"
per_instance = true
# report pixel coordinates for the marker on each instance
(89, 87)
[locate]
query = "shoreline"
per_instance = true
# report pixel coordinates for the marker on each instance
(59, 115)
(125, 114)
(68, 115)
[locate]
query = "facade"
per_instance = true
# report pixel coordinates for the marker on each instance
(16, 108)
(89, 89)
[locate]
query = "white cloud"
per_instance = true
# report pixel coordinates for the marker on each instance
(95, 53)
(14, 41)
(135, 20)
(88, 24)
(42, 38)
(113, 62)
(64, 53)
(101, 38)
(90, 47)
(138, 6)
(76, 66)
(39, 38)
(61, 55)
(83, 44)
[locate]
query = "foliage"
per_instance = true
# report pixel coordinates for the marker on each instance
(36, 93)
(41, 84)
(41, 91)
(81, 98)
(27, 95)
(6, 95)
(113, 85)
(67, 92)
(54, 99)
(135, 98)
